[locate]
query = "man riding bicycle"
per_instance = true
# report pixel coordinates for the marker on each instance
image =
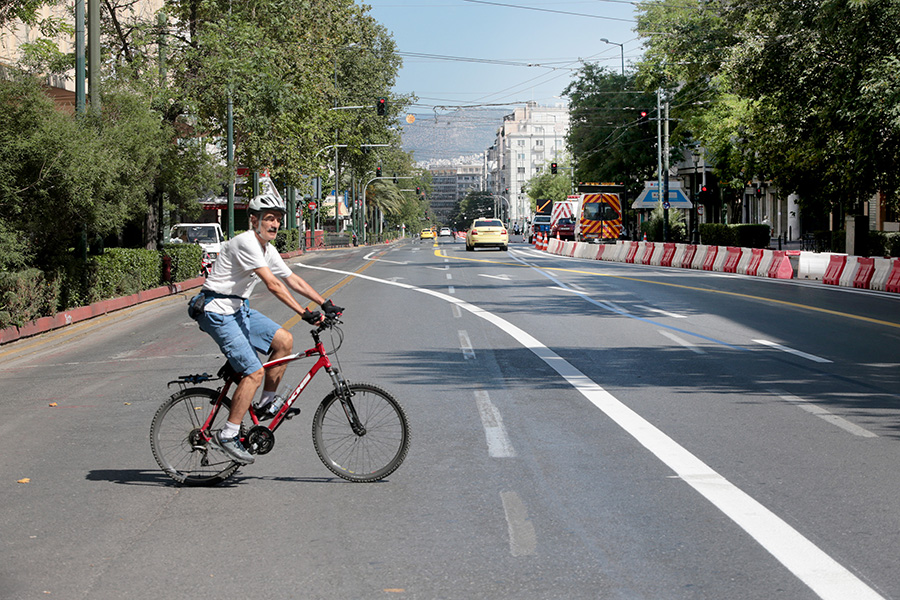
(240, 331)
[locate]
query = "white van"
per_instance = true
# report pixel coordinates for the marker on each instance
(208, 235)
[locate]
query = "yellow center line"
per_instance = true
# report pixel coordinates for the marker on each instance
(689, 287)
(311, 305)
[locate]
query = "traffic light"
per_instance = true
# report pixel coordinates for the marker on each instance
(553, 168)
(377, 171)
(418, 191)
(644, 118)
(381, 106)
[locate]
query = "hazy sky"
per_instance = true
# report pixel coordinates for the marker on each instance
(501, 31)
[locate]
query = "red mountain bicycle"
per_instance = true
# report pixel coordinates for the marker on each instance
(359, 431)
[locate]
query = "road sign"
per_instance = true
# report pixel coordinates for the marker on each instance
(312, 206)
(650, 196)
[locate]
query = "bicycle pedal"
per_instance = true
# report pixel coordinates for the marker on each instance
(291, 413)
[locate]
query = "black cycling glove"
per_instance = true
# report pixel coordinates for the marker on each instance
(331, 310)
(312, 317)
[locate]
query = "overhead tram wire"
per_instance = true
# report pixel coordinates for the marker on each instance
(558, 12)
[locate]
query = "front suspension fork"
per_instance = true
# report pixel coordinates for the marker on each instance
(345, 394)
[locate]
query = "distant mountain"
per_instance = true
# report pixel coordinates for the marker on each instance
(451, 135)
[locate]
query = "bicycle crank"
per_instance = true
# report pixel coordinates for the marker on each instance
(260, 440)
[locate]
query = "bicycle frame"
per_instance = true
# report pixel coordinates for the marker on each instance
(323, 362)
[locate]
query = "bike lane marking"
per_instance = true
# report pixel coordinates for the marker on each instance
(815, 568)
(498, 442)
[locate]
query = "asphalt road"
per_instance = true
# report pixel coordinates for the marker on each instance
(580, 429)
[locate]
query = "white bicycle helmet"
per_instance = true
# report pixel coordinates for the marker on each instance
(266, 202)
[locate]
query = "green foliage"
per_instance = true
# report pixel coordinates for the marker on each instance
(752, 236)
(25, 296)
(124, 271)
(606, 134)
(717, 234)
(677, 229)
(287, 240)
(475, 205)
(884, 244)
(185, 260)
(741, 235)
(800, 94)
(549, 186)
(81, 177)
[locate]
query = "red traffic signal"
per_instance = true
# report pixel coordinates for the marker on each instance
(381, 106)
(553, 168)
(377, 171)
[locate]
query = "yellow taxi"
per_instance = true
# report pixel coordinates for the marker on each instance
(427, 234)
(487, 233)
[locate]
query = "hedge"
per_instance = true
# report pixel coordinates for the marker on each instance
(184, 261)
(883, 243)
(741, 235)
(31, 294)
(124, 271)
(26, 296)
(287, 240)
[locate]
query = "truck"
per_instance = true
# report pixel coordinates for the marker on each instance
(600, 213)
(562, 218)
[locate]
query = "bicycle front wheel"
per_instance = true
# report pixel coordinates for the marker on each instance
(177, 444)
(375, 454)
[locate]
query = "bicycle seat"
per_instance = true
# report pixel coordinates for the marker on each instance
(227, 372)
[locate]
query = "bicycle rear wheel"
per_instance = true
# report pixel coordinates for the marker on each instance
(368, 457)
(177, 444)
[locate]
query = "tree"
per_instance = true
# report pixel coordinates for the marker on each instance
(474, 205)
(608, 137)
(547, 186)
(804, 93)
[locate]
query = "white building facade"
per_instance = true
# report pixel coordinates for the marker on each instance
(528, 141)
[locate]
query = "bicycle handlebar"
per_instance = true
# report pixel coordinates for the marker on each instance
(327, 322)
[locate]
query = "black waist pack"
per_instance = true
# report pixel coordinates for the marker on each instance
(197, 306)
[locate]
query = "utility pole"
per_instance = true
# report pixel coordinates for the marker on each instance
(94, 53)
(79, 58)
(659, 144)
(665, 191)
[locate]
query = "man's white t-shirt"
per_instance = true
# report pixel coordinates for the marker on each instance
(232, 274)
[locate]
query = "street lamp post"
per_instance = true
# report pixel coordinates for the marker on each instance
(621, 52)
(695, 233)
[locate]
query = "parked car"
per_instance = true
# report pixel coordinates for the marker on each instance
(541, 224)
(488, 233)
(564, 229)
(445, 232)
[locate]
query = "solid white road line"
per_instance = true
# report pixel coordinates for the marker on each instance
(811, 357)
(809, 563)
(498, 442)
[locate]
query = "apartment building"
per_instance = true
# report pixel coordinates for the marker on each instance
(527, 142)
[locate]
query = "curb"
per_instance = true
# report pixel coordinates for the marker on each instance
(82, 313)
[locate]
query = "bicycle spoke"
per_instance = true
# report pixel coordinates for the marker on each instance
(368, 457)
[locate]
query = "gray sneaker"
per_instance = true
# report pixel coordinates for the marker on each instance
(233, 448)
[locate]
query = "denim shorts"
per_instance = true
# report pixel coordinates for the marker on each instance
(240, 336)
